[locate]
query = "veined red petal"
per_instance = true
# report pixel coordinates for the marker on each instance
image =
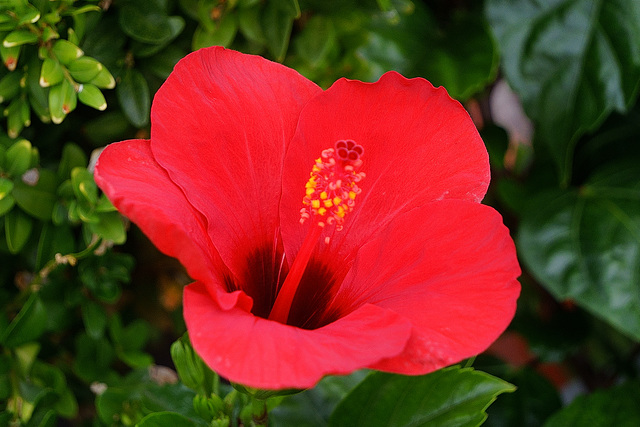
(220, 126)
(419, 146)
(142, 191)
(450, 268)
(269, 355)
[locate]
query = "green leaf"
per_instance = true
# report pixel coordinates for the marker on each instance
(459, 54)
(54, 239)
(20, 37)
(277, 22)
(450, 396)
(18, 158)
(582, 245)
(110, 227)
(617, 406)
(165, 419)
(313, 407)
(223, 34)
(572, 63)
(72, 157)
(316, 41)
(10, 56)
(66, 51)
(62, 100)
(90, 95)
(6, 204)
(144, 22)
(104, 80)
(51, 73)
(27, 325)
(135, 100)
(6, 186)
(94, 318)
(37, 200)
(17, 229)
(84, 69)
(18, 116)
(10, 85)
(84, 187)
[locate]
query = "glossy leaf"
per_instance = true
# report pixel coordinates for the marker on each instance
(18, 158)
(84, 69)
(145, 23)
(571, 62)
(62, 100)
(134, 97)
(104, 80)
(72, 157)
(450, 396)
(617, 406)
(66, 51)
(10, 85)
(90, 95)
(51, 73)
(583, 245)
(19, 37)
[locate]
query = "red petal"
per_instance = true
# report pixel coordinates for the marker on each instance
(220, 126)
(419, 146)
(450, 268)
(261, 353)
(142, 191)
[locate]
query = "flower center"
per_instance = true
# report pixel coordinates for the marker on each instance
(329, 196)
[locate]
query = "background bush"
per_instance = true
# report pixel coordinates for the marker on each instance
(87, 322)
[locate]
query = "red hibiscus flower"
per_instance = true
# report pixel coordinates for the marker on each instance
(326, 231)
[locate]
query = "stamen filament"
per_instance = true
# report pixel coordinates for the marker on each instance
(282, 305)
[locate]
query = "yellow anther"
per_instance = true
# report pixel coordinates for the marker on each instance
(352, 195)
(321, 211)
(324, 195)
(310, 191)
(328, 203)
(315, 204)
(340, 212)
(337, 200)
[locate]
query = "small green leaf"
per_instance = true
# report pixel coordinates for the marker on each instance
(6, 204)
(84, 69)
(84, 187)
(10, 56)
(110, 227)
(37, 200)
(617, 406)
(66, 51)
(104, 80)
(18, 158)
(6, 186)
(277, 22)
(17, 229)
(143, 22)
(20, 37)
(90, 95)
(316, 41)
(51, 73)
(450, 396)
(135, 100)
(28, 325)
(62, 100)
(18, 116)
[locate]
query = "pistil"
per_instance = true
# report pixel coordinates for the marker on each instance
(329, 195)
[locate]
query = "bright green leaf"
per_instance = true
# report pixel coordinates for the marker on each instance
(104, 80)
(51, 73)
(165, 419)
(10, 56)
(62, 100)
(18, 158)
(450, 396)
(6, 186)
(110, 227)
(92, 96)
(571, 61)
(20, 37)
(66, 51)
(84, 69)
(583, 245)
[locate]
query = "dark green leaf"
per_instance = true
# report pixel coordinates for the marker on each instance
(18, 158)
(571, 62)
(277, 22)
(37, 200)
(27, 325)
(72, 157)
(54, 239)
(62, 100)
(165, 419)
(582, 245)
(617, 406)
(313, 407)
(450, 396)
(316, 41)
(10, 85)
(222, 35)
(95, 319)
(135, 100)
(17, 229)
(110, 227)
(143, 22)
